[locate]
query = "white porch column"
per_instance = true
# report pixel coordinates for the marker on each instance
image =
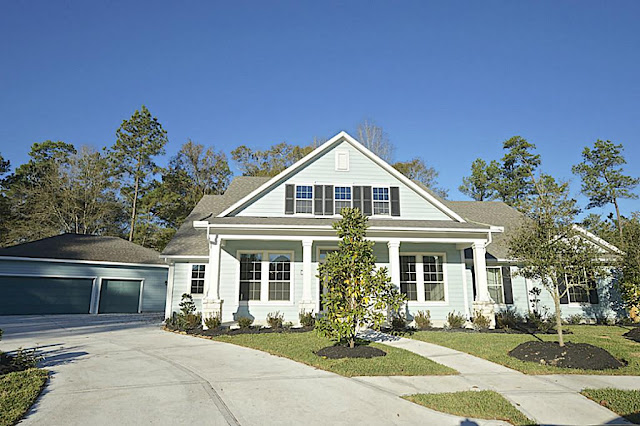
(394, 261)
(211, 303)
(306, 302)
(483, 302)
(480, 271)
(168, 307)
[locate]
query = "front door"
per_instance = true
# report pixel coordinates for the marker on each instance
(322, 288)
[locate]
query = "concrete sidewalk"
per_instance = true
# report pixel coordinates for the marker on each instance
(545, 399)
(108, 370)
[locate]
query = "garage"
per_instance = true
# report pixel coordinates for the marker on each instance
(43, 295)
(81, 274)
(119, 296)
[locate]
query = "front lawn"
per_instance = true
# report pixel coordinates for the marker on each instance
(625, 403)
(486, 404)
(301, 347)
(495, 346)
(18, 391)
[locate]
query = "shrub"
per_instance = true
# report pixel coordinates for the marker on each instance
(455, 320)
(245, 322)
(22, 359)
(480, 321)
(603, 319)
(508, 319)
(189, 322)
(213, 321)
(287, 325)
(423, 319)
(307, 319)
(574, 319)
(274, 319)
(540, 321)
(186, 305)
(398, 322)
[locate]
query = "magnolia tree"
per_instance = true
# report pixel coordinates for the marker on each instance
(550, 249)
(358, 294)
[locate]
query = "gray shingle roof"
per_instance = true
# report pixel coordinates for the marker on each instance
(191, 241)
(85, 247)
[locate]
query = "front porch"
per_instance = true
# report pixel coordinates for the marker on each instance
(256, 272)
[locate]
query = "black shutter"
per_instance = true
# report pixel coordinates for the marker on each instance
(367, 208)
(317, 200)
(328, 200)
(288, 199)
(395, 201)
(473, 282)
(593, 294)
(564, 295)
(357, 198)
(506, 285)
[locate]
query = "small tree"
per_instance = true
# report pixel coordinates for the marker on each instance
(358, 293)
(629, 265)
(550, 249)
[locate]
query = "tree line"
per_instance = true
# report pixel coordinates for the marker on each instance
(121, 191)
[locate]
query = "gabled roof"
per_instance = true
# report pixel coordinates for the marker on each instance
(340, 137)
(85, 248)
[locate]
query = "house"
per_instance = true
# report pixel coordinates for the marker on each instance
(256, 249)
(81, 274)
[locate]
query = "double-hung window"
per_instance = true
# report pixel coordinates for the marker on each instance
(304, 199)
(494, 283)
(433, 271)
(265, 276)
(279, 276)
(197, 279)
(408, 277)
(577, 288)
(342, 196)
(250, 276)
(381, 201)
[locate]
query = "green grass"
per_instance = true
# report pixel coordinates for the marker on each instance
(18, 391)
(494, 347)
(486, 404)
(625, 403)
(301, 347)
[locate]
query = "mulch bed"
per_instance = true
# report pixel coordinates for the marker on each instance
(519, 329)
(226, 331)
(358, 351)
(573, 355)
(633, 334)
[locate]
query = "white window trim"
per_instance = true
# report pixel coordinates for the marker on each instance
(197, 296)
(499, 268)
(264, 279)
(420, 279)
(380, 216)
(295, 200)
(335, 211)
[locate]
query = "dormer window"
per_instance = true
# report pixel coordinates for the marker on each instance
(304, 199)
(381, 201)
(342, 198)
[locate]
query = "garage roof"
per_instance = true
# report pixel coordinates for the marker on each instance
(84, 247)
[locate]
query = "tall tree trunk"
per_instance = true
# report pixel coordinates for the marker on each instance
(556, 302)
(615, 203)
(133, 209)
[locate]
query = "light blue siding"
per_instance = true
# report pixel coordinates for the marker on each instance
(362, 171)
(155, 278)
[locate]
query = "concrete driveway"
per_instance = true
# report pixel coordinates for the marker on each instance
(126, 370)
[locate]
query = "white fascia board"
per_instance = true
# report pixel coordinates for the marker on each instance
(85, 262)
(329, 227)
(344, 135)
(597, 239)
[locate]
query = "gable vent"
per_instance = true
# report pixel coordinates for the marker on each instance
(342, 161)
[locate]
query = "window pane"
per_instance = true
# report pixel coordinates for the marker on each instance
(250, 276)
(496, 293)
(578, 294)
(494, 276)
(342, 193)
(279, 276)
(304, 192)
(380, 194)
(197, 279)
(380, 207)
(434, 292)
(432, 269)
(408, 277)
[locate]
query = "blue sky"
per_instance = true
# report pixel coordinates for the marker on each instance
(448, 81)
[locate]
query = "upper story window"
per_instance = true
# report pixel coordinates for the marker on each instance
(304, 199)
(381, 201)
(342, 198)
(197, 279)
